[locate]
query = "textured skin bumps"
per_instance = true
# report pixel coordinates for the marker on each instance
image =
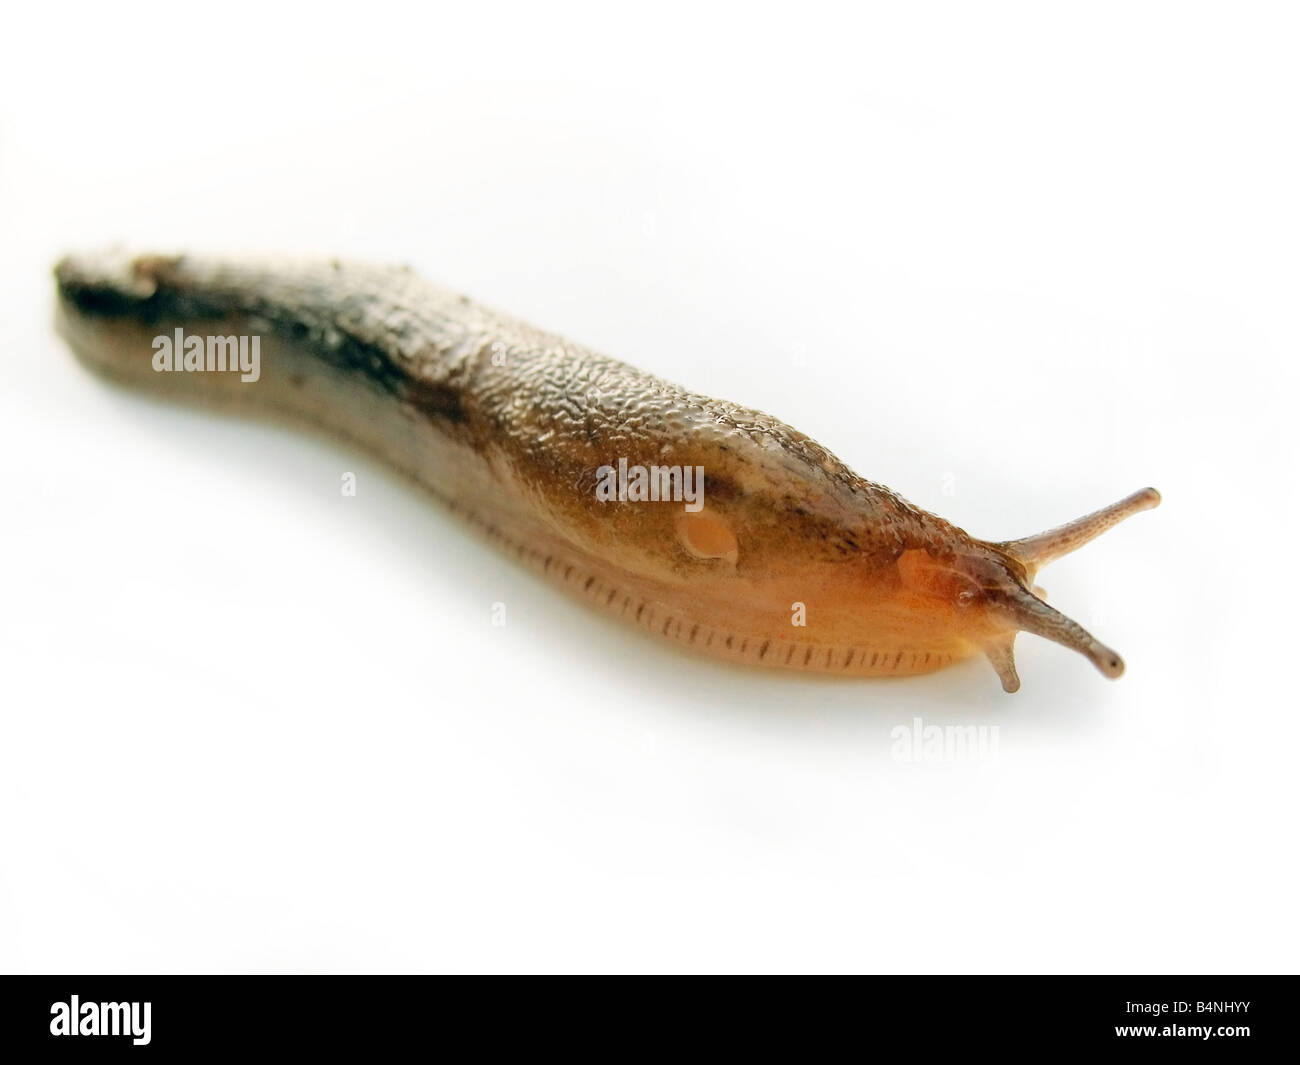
(549, 409)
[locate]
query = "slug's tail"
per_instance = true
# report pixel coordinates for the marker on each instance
(1027, 612)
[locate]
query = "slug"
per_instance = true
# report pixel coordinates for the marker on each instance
(776, 554)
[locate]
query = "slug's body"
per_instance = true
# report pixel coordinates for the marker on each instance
(517, 429)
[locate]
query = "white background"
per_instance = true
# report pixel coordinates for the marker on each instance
(1014, 261)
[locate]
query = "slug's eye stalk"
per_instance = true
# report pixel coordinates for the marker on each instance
(1035, 551)
(1028, 613)
(1024, 611)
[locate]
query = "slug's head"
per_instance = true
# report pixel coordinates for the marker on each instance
(987, 589)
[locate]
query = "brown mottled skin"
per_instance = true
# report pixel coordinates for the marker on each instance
(509, 425)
